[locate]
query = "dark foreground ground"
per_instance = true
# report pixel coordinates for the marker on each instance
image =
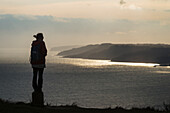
(10, 107)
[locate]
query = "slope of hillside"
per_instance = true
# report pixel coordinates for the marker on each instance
(148, 53)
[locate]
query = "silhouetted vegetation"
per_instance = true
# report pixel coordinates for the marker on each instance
(20, 107)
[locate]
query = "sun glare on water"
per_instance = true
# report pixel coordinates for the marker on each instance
(133, 64)
(93, 63)
(99, 63)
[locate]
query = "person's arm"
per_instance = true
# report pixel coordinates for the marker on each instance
(44, 49)
(30, 53)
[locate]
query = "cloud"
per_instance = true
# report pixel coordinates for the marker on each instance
(61, 20)
(120, 33)
(131, 7)
(167, 10)
(165, 23)
(17, 30)
(98, 9)
(133, 31)
(126, 33)
(134, 7)
(122, 2)
(25, 17)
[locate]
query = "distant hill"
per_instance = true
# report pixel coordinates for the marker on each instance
(147, 53)
(62, 48)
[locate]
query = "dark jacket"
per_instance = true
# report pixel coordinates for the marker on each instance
(43, 52)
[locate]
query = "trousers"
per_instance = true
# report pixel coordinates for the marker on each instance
(37, 83)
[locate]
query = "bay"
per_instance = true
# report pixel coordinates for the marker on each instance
(88, 83)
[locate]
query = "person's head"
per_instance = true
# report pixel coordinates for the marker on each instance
(39, 36)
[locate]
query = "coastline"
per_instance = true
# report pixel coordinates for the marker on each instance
(135, 53)
(119, 62)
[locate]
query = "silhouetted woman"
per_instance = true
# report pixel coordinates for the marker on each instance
(37, 60)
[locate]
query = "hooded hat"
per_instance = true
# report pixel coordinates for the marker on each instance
(39, 35)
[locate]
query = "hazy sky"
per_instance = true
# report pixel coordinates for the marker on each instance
(80, 22)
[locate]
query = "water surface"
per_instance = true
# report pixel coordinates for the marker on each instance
(89, 83)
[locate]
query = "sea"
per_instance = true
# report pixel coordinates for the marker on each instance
(85, 82)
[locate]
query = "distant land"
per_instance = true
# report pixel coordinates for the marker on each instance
(62, 48)
(141, 53)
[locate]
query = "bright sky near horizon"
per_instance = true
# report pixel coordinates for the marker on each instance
(75, 22)
(98, 9)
